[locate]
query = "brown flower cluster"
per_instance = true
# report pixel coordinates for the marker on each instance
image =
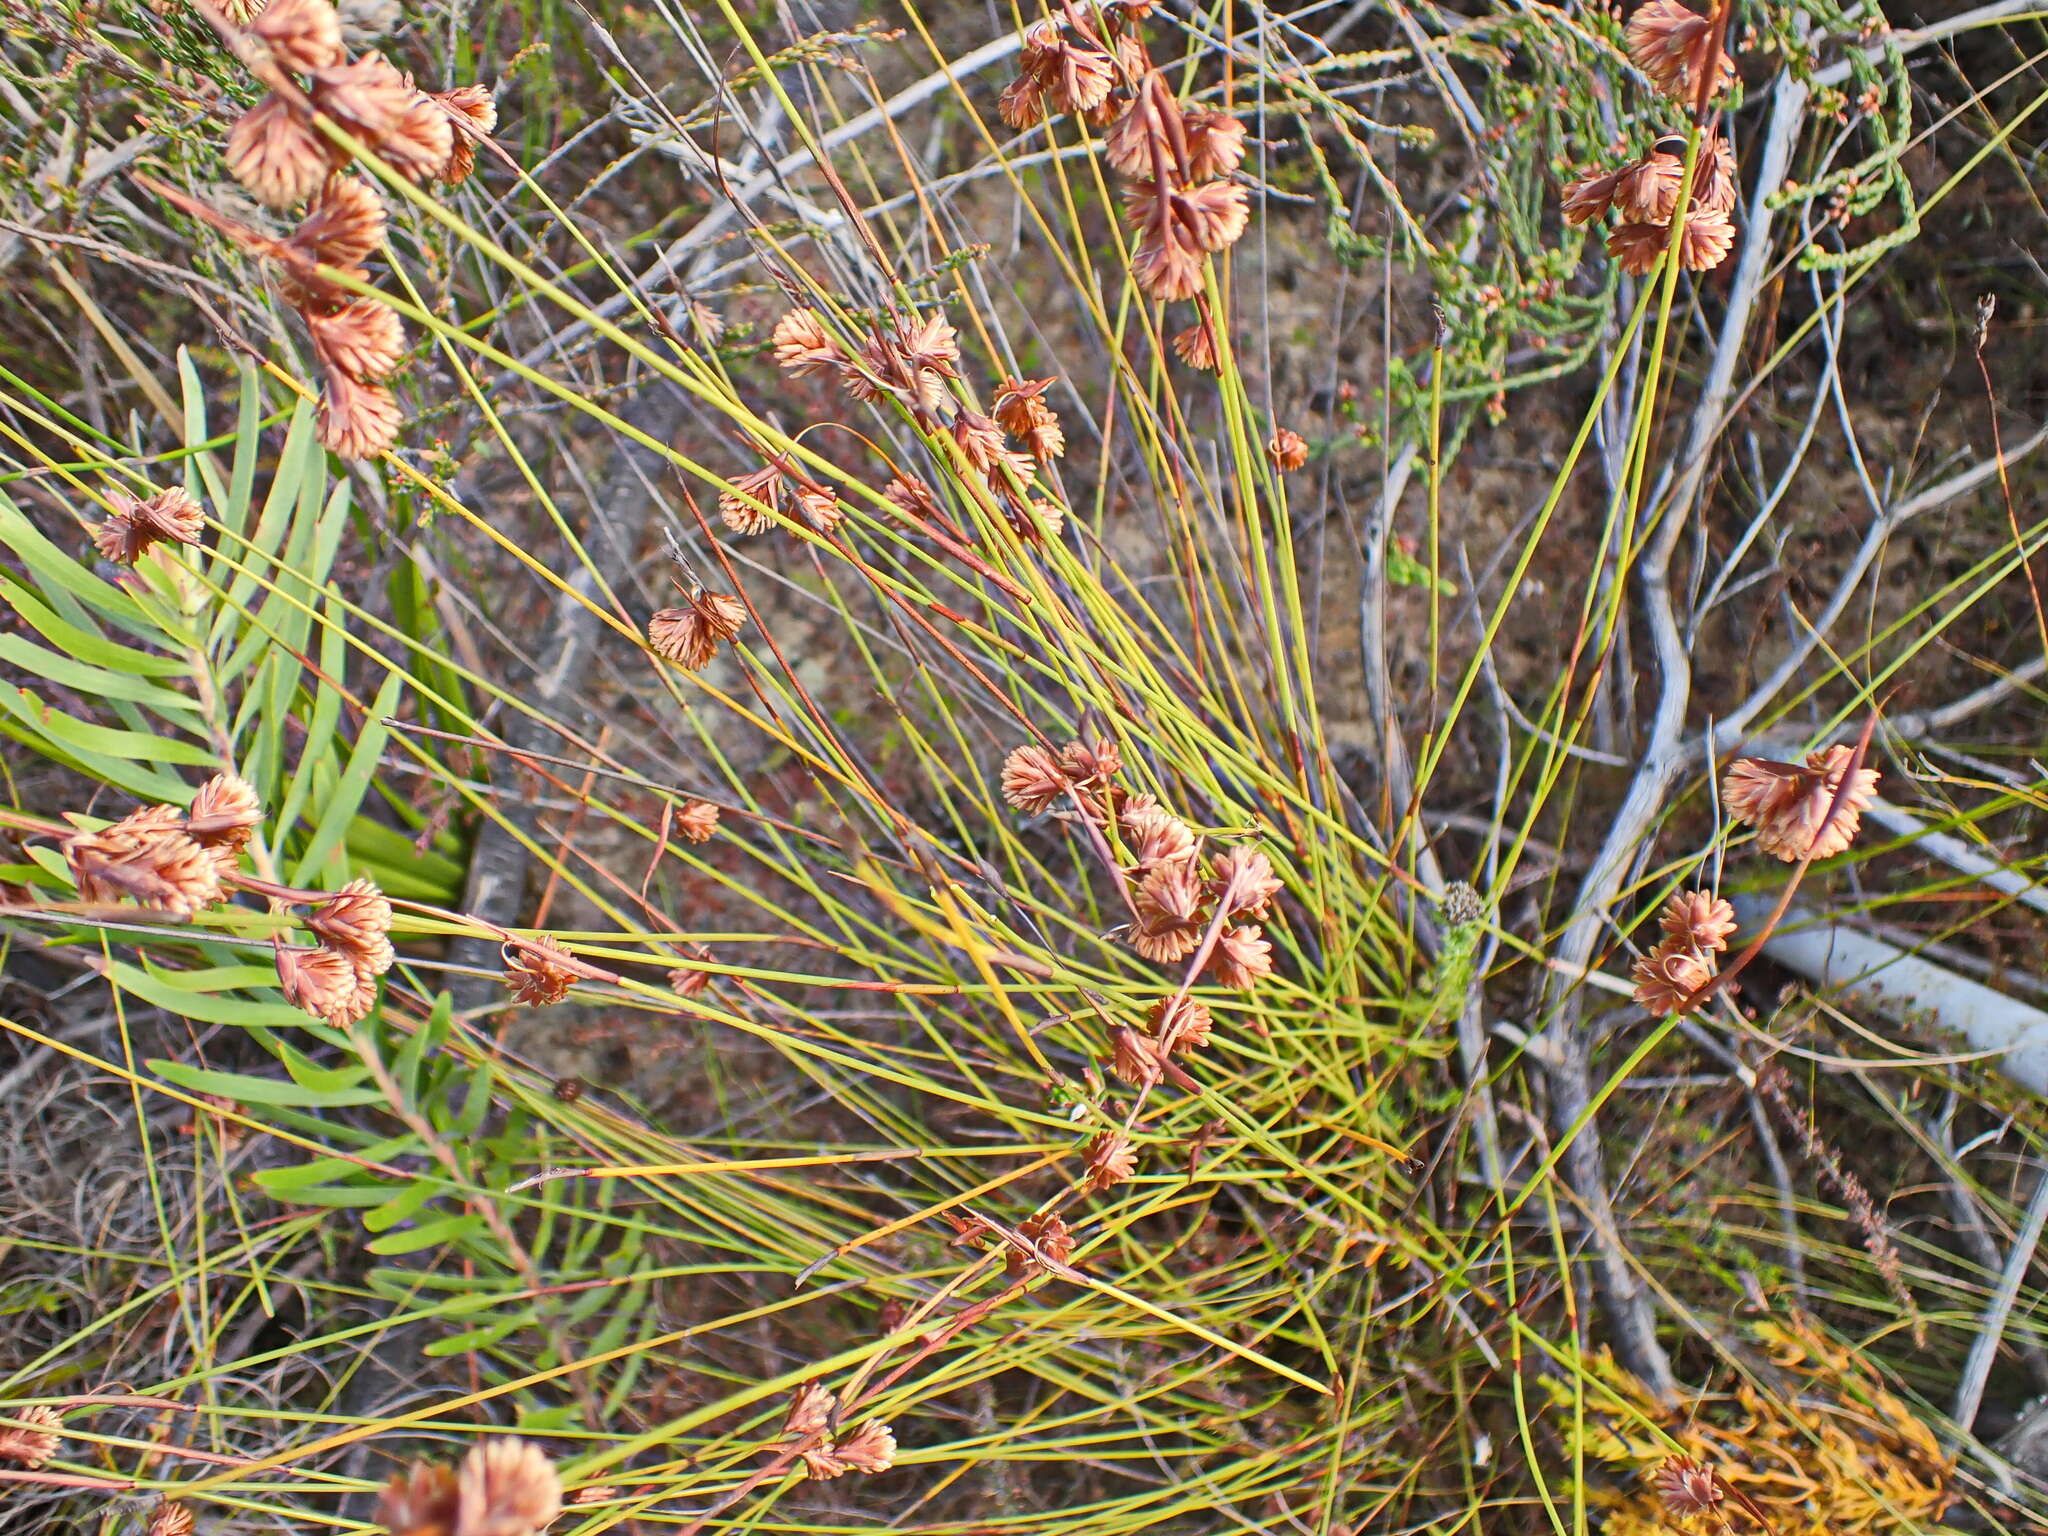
(1645, 195)
(1111, 1159)
(539, 970)
(1793, 806)
(1090, 62)
(1173, 897)
(278, 152)
(824, 1455)
(503, 1488)
(162, 517)
(336, 979)
(690, 635)
(163, 857)
(1175, 901)
(1037, 780)
(1687, 1487)
(779, 488)
(1675, 47)
(1287, 449)
(1696, 927)
(909, 359)
(1049, 1234)
(34, 1443)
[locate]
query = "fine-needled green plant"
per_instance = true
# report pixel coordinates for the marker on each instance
(738, 803)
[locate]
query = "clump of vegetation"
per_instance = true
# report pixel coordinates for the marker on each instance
(1037, 773)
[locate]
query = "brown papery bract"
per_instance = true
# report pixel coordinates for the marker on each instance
(538, 971)
(169, 516)
(302, 35)
(1792, 805)
(276, 154)
(362, 339)
(358, 420)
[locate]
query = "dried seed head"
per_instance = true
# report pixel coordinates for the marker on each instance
(163, 517)
(1048, 1234)
(357, 420)
(1713, 178)
(1215, 144)
(356, 920)
(473, 114)
(1698, 919)
(302, 35)
(687, 982)
(147, 857)
(1151, 136)
(1668, 975)
(1181, 1023)
(1033, 780)
(538, 971)
(276, 155)
(419, 1501)
(1092, 762)
(932, 345)
(1169, 893)
(506, 1488)
(1033, 520)
(225, 814)
(911, 497)
(1647, 192)
(1687, 1487)
(816, 507)
(420, 145)
(1163, 940)
(1703, 245)
(1671, 44)
(1154, 834)
(1793, 807)
(1214, 213)
(869, 1449)
(1242, 958)
(1288, 449)
(363, 339)
(690, 636)
(810, 1410)
(1023, 100)
(36, 1441)
(981, 441)
(1134, 1058)
(738, 505)
(319, 980)
(823, 1463)
(1079, 77)
(1111, 1160)
(368, 96)
(1021, 410)
(169, 1518)
(1245, 880)
(1196, 346)
(343, 225)
(804, 347)
(1589, 197)
(362, 998)
(698, 821)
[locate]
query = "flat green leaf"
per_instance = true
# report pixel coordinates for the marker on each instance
(244, 1089)
(206, 1007)
(433, 1234)
(347, 795)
